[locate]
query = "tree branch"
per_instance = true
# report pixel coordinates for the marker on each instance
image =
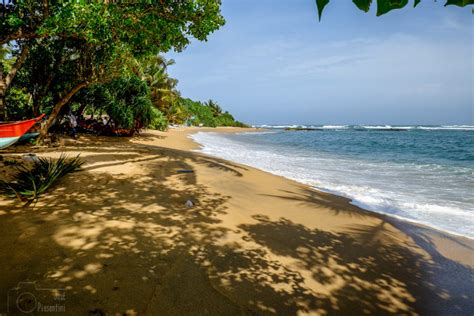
(46, 8)
(20, 35)
(18, 63)
(57, 108)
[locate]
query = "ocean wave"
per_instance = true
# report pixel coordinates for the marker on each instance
(277, 126)
(375, 127)
(335, 126)
(392, 194)
(256, 133)
(448, 127)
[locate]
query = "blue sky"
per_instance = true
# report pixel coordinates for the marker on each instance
(274, 63)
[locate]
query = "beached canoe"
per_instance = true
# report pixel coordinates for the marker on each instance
(10, 133)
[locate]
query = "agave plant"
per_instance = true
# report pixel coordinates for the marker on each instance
(31, 182)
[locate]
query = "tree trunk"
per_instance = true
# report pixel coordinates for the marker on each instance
(2, 96)
(40, 93)
(3, 114)
(35, 101)
(7, 81)
(18, 63)
(46, 8)
(57, 108)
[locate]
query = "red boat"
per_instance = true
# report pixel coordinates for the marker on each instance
(10, 133)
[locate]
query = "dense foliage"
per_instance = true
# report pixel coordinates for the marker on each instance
(148, 99)
(206, 114)
(125, 101)
(65, 46)
(158, 120)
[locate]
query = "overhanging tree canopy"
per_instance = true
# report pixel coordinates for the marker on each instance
(384, 6)
(160, 24)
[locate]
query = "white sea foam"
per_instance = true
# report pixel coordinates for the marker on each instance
(375, 127)
(406, 191)
(335, 126)
(448, 127)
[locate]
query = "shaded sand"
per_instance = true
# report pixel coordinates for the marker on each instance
(119, 238)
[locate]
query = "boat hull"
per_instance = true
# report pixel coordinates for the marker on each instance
(8, 141)
(10, 133)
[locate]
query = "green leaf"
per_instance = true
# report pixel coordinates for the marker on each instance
(416, 3)
(364, 5)
(384, 6)
(460, 3)
(321, 4)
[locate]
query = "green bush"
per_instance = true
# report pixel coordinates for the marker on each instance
(240, 124)
(199, 113)
(125, 100)
(30, 183)
(158, 120)
(208, 114)
(225, 119)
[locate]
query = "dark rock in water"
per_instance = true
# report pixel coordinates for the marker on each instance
(396, 129)
(303, 129)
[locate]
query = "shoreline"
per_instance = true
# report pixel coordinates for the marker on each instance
(355, 203)
(439, 236)
(118, 236)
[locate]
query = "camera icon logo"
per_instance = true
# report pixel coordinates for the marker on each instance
(28, 298)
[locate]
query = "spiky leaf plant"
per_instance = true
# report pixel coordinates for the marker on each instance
(31, 182)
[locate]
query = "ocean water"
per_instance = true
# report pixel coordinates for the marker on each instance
(418, 173)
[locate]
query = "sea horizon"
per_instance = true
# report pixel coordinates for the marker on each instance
(445, 126)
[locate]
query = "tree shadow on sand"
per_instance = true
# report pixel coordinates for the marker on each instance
(337, 205)
(123, 244)
(361, 271)
(110, 238)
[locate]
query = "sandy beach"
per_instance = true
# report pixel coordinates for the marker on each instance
(119, 238)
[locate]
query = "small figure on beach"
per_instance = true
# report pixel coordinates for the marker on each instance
(71, 118)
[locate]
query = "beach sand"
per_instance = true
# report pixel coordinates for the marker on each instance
(119, 238)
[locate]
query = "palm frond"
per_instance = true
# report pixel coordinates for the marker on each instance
(31, 182)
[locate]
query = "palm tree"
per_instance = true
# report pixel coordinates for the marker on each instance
(163, 90)
(176, 114)
(215, 107)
